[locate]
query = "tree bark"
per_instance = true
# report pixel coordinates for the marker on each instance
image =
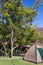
(11, 43)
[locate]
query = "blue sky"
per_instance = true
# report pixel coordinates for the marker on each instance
(39, 20)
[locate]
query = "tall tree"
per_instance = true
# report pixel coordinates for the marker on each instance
(17, 16)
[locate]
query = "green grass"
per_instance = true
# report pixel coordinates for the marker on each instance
(18, 61)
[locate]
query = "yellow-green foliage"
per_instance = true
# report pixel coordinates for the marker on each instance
(19, 18)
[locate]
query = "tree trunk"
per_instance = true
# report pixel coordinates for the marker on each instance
(11, 43)
(4, 49)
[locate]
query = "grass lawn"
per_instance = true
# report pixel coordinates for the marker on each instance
(18, 61)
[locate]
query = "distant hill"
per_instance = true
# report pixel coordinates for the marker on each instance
(40, 30)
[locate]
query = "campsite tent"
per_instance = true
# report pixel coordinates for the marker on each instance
(35, 53)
